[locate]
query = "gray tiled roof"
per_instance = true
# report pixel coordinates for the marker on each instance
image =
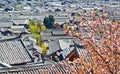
(57, 32)
(5, 19)
(55, 37)
(6, 24)
(71, 40)
(56, 69)
(38, 48)
(63, 44)
(20, 21)
(79, 51)
(13, 52)
(53, 46)
(67, 51)
(83, 52)
(47, 33)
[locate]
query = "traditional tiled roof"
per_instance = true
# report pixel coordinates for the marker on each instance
(30, 38)
(58, 33)
(55, 69)
(55, 37)
(63, 44)
(47, 35)
(69, 41)
(61, 20)
(13, 52)
(83, 52)
(53, 47)
(67, 51)
(30, 46)
(79, 49)
(6, 24)
(20, 21)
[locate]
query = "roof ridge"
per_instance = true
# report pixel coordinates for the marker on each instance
(54, 67)
(15, 38)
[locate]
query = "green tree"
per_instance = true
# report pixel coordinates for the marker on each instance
(44, 48)
(49, 21)
(31, 22)
(36, 28)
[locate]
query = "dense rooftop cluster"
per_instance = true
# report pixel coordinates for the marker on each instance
(66, 43)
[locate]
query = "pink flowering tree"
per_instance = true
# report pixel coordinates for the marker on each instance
(103, 45)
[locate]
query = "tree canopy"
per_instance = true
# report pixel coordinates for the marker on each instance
(36, 28)
(49, 21)
(102, 43)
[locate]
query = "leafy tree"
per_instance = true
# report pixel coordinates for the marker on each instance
(32, 26)
(31, 22)
(36, 28)
(33, 29)
(44, 48)
(49, 21)
(41, 27)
